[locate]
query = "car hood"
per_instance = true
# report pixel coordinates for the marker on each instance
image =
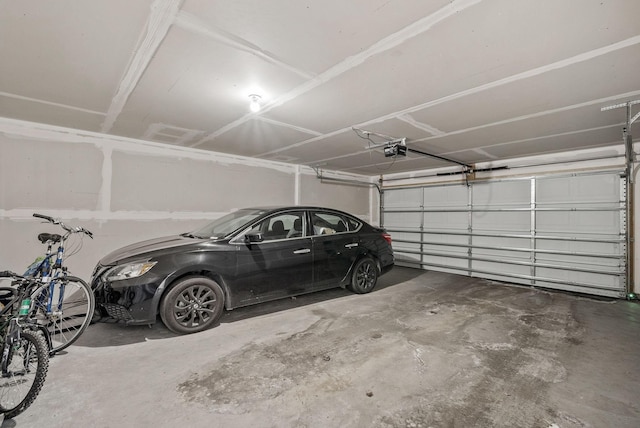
(149, 248)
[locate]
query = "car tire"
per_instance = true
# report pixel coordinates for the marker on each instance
(192, 304)
(364, 276)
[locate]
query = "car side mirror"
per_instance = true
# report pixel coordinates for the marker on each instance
(253, 237)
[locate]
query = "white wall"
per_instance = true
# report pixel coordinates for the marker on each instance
(126, 190)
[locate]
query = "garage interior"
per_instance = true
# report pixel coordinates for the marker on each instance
(494, 140)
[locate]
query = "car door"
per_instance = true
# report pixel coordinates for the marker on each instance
(280, 264)
(335, 247)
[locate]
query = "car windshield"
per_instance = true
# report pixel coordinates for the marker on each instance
(225, 225)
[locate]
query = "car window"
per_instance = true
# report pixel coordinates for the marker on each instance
(330, 223)
(353, 224)
(226, 224)
(282, 226)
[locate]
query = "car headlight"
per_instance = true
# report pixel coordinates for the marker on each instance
(128, 271)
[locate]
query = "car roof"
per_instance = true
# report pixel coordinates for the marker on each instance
(289, 207)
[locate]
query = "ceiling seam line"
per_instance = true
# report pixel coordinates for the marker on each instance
(20, 97)
(189, 22)
(496, 83)
(518, 118)
(487, 154)
(585, 56)
(532, 115)
(20, 128)
(162, 15)
(423, 126)
(493, 145)
(560, 134)
(351, 62)
(288, 125)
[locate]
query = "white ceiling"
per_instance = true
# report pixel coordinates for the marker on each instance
(469, 80)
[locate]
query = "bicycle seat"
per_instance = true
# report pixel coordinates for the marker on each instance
(53, 237)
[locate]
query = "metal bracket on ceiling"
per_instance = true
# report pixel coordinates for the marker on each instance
(626, 131)
(628, 106)
(346, 181)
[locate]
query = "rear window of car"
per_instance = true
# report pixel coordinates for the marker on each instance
(353, 224)
(326, 223)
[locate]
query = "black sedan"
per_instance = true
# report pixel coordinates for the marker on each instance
(246, 257)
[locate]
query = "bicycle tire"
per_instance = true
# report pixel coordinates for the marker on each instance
(26, 372)
(65, 327)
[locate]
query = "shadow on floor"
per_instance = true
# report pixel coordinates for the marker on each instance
(118, 334)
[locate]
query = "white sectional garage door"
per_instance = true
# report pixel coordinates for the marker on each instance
(564, 232)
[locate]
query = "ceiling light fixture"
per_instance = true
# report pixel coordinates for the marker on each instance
(254, 105)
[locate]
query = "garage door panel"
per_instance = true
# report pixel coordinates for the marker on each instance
(572, 277)
(451, 221)
(506, 268)
(406, 245)
(502, 242)
(408, 256)
(445, 238)
(408, 220)
(437, 251)
(582, 247)
(501, 221)
(581, 262)
(502, 254)
(599, 188)
(561, 231)
(607, 222)
(507, 193)
(575, 288)
(403, 198)
(446, 260)
(445, 196)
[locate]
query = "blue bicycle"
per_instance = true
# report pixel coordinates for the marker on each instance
(66, 305)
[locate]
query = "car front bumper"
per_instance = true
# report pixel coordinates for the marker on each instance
(133, 301)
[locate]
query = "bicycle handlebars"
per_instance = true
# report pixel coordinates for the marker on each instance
(10, 274)
(76, 229)
(46, 217)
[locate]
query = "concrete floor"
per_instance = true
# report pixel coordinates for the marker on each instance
(425, 349)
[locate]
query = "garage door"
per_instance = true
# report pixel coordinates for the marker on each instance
(563, 232)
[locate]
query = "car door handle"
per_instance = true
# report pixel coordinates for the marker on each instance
(302, 251)
(355, 244)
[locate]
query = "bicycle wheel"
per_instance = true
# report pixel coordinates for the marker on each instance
(27, 366)
(68, 323)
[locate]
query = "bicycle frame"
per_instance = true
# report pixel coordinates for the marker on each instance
(51, 274)
(24, 359)
(13, 323)
(59, 304)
